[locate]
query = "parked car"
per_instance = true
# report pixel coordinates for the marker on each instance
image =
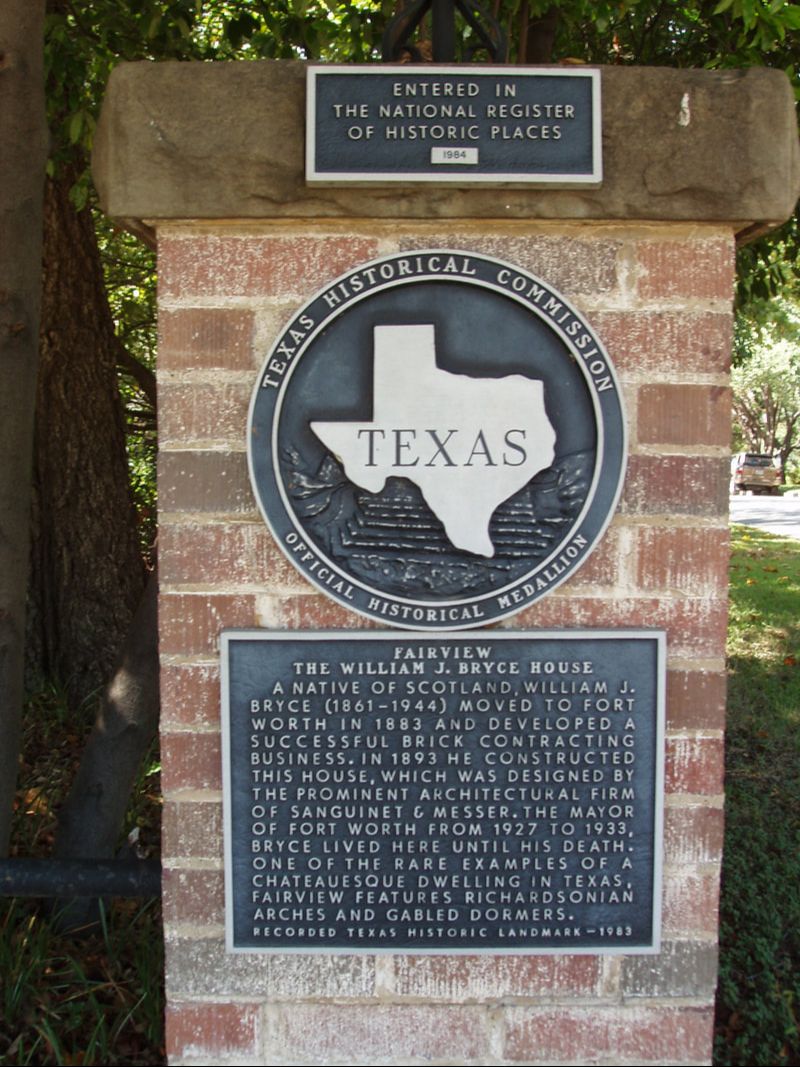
(755, 473)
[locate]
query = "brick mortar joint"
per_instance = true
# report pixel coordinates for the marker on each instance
(498, 1001)
(677, 379)
(222, 377)
(187, 931)
(694, 801)
(179, 727)
(642, 595)
(231, 445)
(190, 862)
(695, 734)
(237, 447)
(196, 796)
(704, 666)
(193, 795)
(663, 521)
(358, 228)
(283, 308)
(182, 519)
(189, 659)
(700, 869)
(670, 1004)
(667, 448)
(620, 522)
(491, 1001)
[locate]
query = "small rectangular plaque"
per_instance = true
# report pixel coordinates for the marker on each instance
(454, 156)
(443, 793)
(392, 123)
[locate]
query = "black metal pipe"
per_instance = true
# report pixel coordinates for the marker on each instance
(79, 878)
(488, 34)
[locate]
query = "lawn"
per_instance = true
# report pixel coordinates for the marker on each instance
(758, 1001)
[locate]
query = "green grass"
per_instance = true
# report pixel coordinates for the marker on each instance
(91, 1000)
(95, 997)
(758, 1000)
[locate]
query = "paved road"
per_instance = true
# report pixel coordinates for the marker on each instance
(779, 515)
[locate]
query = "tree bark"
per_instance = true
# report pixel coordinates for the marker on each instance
(537, 36)
(90, 820)
(23, 135)
(87, 571)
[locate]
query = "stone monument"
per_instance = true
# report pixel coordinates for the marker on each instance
(444, 427)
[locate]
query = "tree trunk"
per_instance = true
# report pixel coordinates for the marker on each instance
(23, 135)
(87, 571)
(537, 36)
(90, 821)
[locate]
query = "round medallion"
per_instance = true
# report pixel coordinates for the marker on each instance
(437, 439)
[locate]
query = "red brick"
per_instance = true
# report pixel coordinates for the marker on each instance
(486, 977)
(677, 485)
(569, 264)
(189, 694)
(204, 338)
(619, 1035)
(203, 411)
(190, 623)
(603, 565)
(664, 341)
(693, 834)
(204, 482)
(314, 611)
(696, 700)
(703, 269)
(694, 765)
(693, 626)
(212, 1031)
(230, 265)
(223, 554)
(192, 829)
(198, 965)
(682, 968)
(690, 904)
(684, 414)
(357, 1033)
(190, 761)
(193, 896)
(683, 559)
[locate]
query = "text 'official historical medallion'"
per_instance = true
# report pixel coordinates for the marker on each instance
(437, 439)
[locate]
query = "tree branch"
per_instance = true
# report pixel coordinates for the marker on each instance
(142, 375)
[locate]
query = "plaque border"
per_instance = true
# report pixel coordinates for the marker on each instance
(363, 177)
(227, 637)
(267, 495)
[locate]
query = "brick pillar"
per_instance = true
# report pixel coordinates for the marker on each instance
(660, 298)
(653, 272)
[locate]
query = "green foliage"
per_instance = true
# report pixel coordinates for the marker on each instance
(766, 380)
(758, 1000)
(768, 268)
(84, 42)
(129, 268)
(82, 45)
(95, 1000)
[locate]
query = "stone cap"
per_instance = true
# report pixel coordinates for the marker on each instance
(226, 141)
